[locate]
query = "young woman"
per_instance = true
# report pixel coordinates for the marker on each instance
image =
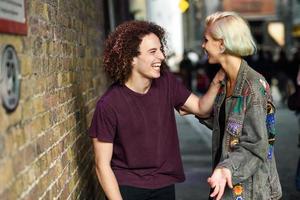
(243, 116)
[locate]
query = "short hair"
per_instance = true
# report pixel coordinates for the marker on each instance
(233, 30)
(123, 44)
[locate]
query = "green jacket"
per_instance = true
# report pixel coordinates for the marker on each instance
(247, 145)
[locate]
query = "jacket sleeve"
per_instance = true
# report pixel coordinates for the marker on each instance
(251, 151)
(208, 122)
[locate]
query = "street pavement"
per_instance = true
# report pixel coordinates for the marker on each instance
(195, 144)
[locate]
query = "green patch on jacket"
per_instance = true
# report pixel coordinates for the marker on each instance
(238, 107)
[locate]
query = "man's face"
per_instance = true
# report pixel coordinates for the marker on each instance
(148, 63)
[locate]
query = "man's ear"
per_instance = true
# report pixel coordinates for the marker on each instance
(134, 61)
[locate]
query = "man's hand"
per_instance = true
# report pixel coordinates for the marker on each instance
(220, 75)
(218, 181)
(202, 106)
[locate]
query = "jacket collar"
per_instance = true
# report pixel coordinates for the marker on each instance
(241, 79)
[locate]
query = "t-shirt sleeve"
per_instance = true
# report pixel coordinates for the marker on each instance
(103, 125)
(179, 92)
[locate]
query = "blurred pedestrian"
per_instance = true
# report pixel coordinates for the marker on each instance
(243, 116)
(202, 81)
(275, 92)
(133, 128)
(186, 68)
(294, 104)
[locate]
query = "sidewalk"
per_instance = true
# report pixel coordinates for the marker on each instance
(195, 145)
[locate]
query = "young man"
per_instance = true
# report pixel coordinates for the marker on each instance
(133, 129)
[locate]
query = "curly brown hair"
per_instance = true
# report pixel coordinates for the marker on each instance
(123, 44)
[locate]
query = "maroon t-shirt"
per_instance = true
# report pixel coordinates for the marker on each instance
(143, 131)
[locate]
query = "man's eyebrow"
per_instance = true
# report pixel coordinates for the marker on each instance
(151, 49)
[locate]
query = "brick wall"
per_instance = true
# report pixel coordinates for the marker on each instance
(44, 150)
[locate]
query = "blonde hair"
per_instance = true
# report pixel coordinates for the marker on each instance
(233, 30)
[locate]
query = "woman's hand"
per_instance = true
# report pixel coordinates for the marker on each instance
(218, 181)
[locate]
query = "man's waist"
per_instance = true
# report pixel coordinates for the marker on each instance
(150, 180)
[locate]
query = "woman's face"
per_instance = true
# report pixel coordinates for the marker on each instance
(212, 47)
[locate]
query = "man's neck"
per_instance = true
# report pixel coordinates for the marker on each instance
(139, 85)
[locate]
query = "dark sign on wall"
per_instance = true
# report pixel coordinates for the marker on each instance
(12, 17)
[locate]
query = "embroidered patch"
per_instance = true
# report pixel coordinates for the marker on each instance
(246, 91)
(248, 101)
(238, 107)
(263, 89)
(233, 141)
(270, 108)
(263, 83)
(245, 97)
(270, 122)
(268, 88)
(270, 152)
(238, 190)
(234, 127)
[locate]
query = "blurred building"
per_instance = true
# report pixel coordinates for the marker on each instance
(115, 12)
(167, 14)
(275, 24)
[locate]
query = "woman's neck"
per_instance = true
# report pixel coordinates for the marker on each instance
(231, 65)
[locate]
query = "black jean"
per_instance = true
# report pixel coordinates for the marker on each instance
(134, 193)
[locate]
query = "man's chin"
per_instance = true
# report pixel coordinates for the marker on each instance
(156, 75)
